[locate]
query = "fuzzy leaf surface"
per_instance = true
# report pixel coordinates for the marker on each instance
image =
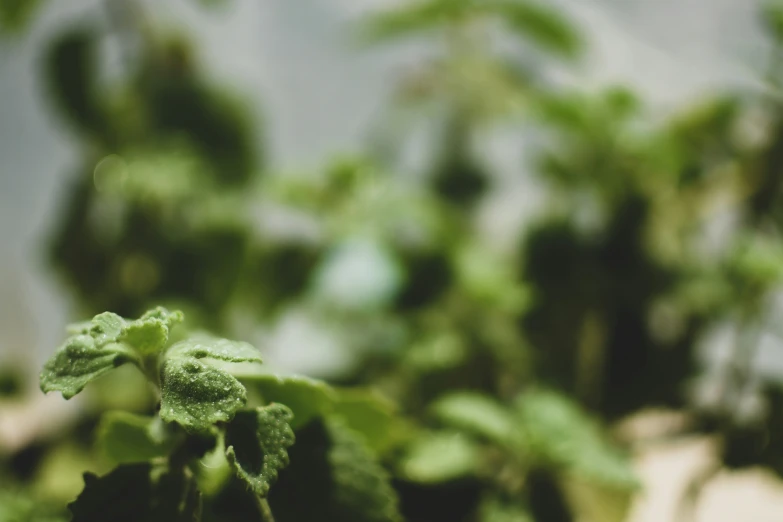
(257, 443)
(197, 395)
(206, 347)
(80, 360)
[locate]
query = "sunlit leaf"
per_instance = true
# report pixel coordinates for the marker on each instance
(369, 415)
(197, 395)
(207, 347)
(559, 434)
(439, 457)
(79, 361)
(476, 413)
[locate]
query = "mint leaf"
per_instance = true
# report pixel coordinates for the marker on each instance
(79, 361)
(196, 395)
(558, 433)
(332, 475)
(150, 333)
(256, 445)
(439, 457)
(137, 492)
(307, 398)
(125, 437)
(202, 346)
(477, 413)
(370, 415)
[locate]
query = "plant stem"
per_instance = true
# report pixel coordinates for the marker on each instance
(266, 511)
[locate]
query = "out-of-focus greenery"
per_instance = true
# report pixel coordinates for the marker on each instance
(501, 364)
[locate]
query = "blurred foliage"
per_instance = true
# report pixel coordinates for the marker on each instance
(477, 379)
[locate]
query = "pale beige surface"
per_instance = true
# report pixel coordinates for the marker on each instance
(752, 495)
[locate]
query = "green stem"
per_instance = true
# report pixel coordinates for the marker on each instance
(266, 511)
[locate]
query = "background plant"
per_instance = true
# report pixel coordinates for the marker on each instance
(506, 362)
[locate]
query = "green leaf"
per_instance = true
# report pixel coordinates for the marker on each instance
(369, 415)
(560, 434)
(332, 475)
(79, 361)
(150, 333)
(202, 346)
(439, 457)
(256, 445)
(197, 395)
(540, 23)
(477, 413)
(494, 509)
(71, 72)
(16, 14)
(307, 398)
(136, 492)
(126, 438)
(419, 16)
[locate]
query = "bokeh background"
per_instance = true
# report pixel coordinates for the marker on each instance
(590, 200)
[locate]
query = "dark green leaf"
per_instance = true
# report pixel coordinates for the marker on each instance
(71, 63)
(197, 395)
(256, 445)
(332, 475)
(79, 361)
(206, 347)
(137, 492)
(125, 437)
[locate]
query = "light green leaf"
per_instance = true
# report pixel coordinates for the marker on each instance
(125, 437)
(202, 346)
(197, 395)
(477, 413)
(79, 361)
(106, 327)
(307, 398)
(150, 333)
(256, 445)
(138, 492)
(332, 475)
(417, 17)
(439, 457)
(559, 433)
(369, 415)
